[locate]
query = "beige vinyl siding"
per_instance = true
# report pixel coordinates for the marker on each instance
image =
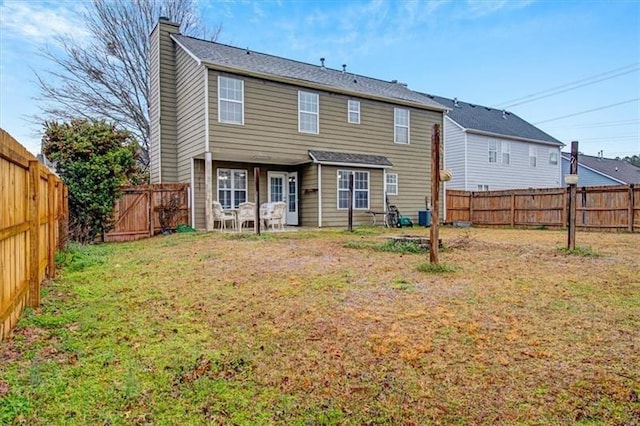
(190, 113)
(167, 88)
(271, 131)
(308, 196)
(154, 108)
(331, 215)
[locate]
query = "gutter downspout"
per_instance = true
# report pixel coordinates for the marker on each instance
(208, 172)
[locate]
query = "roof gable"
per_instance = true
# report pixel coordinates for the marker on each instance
(491, 120)
(620, 170)
(213, 53)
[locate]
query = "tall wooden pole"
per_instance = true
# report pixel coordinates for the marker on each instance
(573, 169)
(256, 214)
(435, 194)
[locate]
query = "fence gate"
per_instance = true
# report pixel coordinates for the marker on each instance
(139, 211)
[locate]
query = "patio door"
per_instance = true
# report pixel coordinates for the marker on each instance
(283, 186)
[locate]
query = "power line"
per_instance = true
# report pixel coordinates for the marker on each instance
(570, 88)
(599, 124)
(589, 110)
(577, 84)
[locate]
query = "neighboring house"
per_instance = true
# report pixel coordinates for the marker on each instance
(492, 149)
(217, 112)
(597, 171)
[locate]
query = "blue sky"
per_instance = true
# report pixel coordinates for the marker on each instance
(492, 53)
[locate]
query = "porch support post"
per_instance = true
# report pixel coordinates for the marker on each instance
(208, 191)
(319, 195)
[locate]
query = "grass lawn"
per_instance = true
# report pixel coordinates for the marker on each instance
(327, 327)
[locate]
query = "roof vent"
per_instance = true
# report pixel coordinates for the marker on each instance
(248, 51)
(504, 114)
(455, 103)
(322, 63)
(344, 68)
(472, 105)
(355, 81)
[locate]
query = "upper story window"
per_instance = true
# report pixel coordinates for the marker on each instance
(553, 156)
(401, 125)
(533, 156)
(493, 151)
(230, 100)
(506, 152)
(308, 112)
(354, 111)
(391, 184)
(360, 189)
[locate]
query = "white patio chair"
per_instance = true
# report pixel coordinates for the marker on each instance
(222, 216)
(275, 215)
(246, 213)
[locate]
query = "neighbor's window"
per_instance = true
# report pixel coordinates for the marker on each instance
(307, 112)
(392, 184)
(401, 125)
(232, 187)
(360, 189)
(354, 111)
(533, 156)
(493, 151)
(506, 152)
(230, 100)
(553, 157)
(483, 187)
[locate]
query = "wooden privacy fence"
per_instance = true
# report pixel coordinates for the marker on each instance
(143, 211)
(598, 207)
(33, 225)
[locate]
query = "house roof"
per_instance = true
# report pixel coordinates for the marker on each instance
(619, 170)
(479, 118)
(225, 56)
(347, 158)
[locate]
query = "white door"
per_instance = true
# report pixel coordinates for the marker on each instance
(284, 187)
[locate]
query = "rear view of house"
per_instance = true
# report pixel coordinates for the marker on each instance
(598, 170)
(218, 111)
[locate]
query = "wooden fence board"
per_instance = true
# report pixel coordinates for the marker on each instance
(599, 207)
(32, 206)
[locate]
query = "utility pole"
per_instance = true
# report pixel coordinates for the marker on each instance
(435, 194)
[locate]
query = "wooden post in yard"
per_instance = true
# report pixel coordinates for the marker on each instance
(256, 214)
(631, 205)
(435, 193)
(34, 234)
(350, 211)
(573, 169)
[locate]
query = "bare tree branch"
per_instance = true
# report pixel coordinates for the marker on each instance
(107, 77)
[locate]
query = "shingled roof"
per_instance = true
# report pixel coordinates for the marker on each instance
(337, 158)
(480, 118)
(619, 170)
(213, 54)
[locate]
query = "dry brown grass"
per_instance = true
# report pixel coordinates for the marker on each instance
(518, 333)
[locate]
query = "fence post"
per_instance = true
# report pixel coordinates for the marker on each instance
(51, 223)
(631, 207)
(471, 194)
(513, 209)
(34, 234)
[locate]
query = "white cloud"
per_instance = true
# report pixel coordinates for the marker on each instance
(482, 8)
(38, 21)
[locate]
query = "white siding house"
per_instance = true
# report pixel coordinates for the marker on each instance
(491, 149)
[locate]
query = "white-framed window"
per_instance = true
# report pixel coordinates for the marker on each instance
(232, 187)
(401, 125)
(360, 189)
(506, 152)
(230, 100)
(391, 184)
(553, 156)
(308, 112)
(353, 111)
(533, 156)
(483, 187)
(493, 151)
